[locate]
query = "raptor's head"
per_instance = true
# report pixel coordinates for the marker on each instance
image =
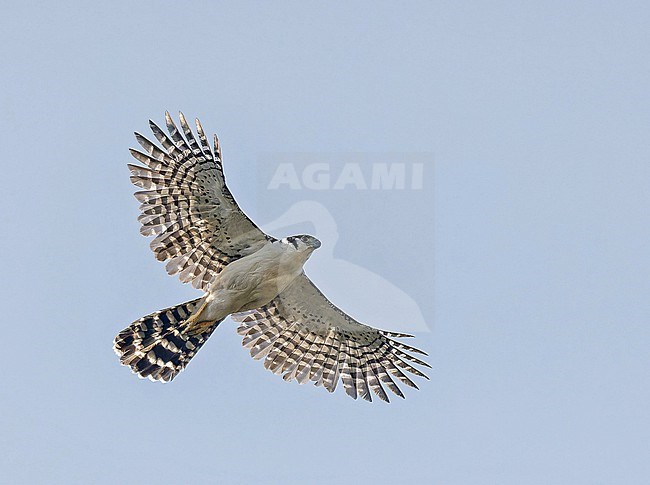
(302, 243)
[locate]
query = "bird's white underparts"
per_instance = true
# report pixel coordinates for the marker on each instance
(208, 241)
(254, 280)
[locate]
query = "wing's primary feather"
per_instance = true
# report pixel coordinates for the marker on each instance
(198, 227)
(303, 336)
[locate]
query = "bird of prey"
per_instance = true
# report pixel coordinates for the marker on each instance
(208, 241)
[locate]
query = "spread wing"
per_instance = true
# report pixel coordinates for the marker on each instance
(186, 205)
(303, 336)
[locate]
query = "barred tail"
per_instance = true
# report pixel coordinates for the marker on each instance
(159, 345)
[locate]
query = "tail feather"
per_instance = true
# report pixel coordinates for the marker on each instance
(160, 345)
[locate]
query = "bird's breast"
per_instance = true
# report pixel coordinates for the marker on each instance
(253, 281)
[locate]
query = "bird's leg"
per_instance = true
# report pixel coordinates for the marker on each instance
(199, 327)
(195, 324)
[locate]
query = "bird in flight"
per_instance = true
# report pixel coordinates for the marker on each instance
(208, 241)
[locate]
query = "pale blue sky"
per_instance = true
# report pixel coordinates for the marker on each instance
(527, 248)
